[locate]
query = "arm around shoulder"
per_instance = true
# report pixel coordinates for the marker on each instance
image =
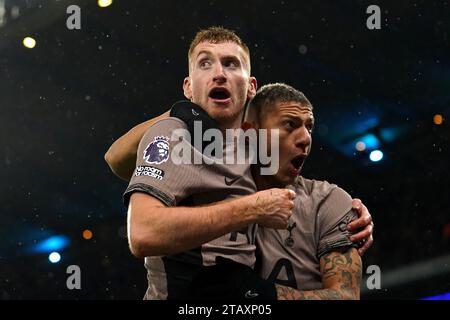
(155, 229)
(121, 155)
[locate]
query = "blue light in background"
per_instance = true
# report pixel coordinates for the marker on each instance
(54, 257)
(51, 244)
(376, 155)
(444, 296)
(362, 125)
(370, 140)
(393, 133)
(388, 134)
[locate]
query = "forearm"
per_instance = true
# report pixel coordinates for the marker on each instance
(122, 160)
(341, 278)
(287, 293)
(170, 230)
(121, 156)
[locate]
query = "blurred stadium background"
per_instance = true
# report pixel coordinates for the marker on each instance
(65, 100)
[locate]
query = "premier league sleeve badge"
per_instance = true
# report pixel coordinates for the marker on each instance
(157, 151)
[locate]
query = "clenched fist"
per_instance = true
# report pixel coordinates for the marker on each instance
(272, 207)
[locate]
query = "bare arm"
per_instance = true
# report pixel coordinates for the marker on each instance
(154, 229)
(341, 278)
(121, 156)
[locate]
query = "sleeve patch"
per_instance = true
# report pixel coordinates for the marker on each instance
(157, 151)
(149, 171)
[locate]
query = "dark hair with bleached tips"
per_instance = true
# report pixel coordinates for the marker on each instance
(270, 94)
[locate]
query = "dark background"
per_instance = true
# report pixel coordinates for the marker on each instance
(64, 102)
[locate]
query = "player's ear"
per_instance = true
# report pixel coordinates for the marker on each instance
(253, 86)
(250, 117)
(187, 88)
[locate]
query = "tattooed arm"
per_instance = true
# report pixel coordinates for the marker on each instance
(341, 278)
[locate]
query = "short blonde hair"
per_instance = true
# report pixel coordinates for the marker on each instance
(218, 35)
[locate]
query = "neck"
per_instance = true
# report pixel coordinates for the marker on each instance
(230, 124)
(264, 182)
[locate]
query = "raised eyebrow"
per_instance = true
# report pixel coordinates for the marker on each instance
(234, 58)
(293, 117)
(299, 119)
(205, 52)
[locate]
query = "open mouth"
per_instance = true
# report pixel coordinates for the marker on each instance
(297, 162)
(219, 94)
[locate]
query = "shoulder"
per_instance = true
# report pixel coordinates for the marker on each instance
(166, 125)
(314, 187)
(159, 137)
(165, 129)
(322, 190)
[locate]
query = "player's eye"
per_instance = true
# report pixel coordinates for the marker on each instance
(205, 64)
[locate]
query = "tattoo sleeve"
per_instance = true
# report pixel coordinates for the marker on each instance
(341, 278)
